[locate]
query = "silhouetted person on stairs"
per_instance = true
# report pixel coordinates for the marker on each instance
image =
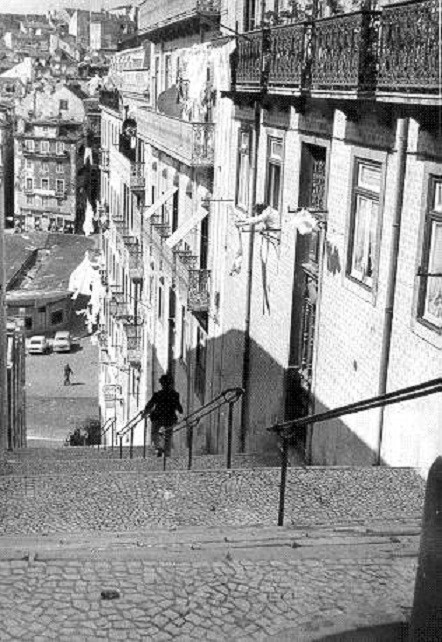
(162, 409)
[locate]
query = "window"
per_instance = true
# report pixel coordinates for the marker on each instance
(28, 164)
(60, 148)
(57, 317)
(364, 221)
(274, 173)
(29, 184)
(64, 104)
(59, 168)
(44, 146)
(60, 186)
(45, 183)
(29, 200)
(30, 145)
(28, 323)
(430, 295)
(243, 176)
(45, 168)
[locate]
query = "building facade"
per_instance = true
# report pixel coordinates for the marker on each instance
(289, 221)
(49, 162)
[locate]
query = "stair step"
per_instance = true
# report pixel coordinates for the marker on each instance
(107, 500)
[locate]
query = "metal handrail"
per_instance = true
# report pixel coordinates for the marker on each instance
(229, 396)
(110, 423)
(288, 428)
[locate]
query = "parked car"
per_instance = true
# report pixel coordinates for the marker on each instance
(38, 345)
(62, 341)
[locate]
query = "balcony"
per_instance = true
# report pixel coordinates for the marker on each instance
(136, 266)
(287, 66)
(137, 180)
(199, 291)
(345, 54)
(118, 307)
(104, 160)
(191, 143)
(156, 17)
(110, 99)
(409, 62)
(161, 223)
(133, 343)
(249, 55)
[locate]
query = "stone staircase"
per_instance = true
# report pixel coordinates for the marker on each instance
(196, 554)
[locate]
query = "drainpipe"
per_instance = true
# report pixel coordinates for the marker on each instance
(403, 124)
(245, 406)
(3, 340)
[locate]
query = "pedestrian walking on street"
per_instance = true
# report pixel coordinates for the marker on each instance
(67, 374)
(162, 409)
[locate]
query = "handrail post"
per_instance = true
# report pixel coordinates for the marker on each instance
(145, 438)
(105, 438)
(113, 433)
(131, 446)
(164, 459)
(282, 485)
(121, 447)
(190, 438)
(229, 435)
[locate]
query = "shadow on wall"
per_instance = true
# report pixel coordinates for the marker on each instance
(274, 396)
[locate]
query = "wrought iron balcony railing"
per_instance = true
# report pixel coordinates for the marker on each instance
(155, 16)
(103, 339)
(199, 290)
(133, 343)
(287, 64)
(104, 160)
(137, 180)
(191, 143)
(345, 53)
(118, 306)
(110, 98)
(136, 267)
(162, 225)
(249, 60)
(409, 56)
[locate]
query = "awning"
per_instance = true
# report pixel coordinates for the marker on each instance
(186, 227)
(159, 202)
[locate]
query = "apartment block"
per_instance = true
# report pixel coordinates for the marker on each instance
(287, 224)
(49, 161)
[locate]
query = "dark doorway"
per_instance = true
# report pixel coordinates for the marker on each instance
(312, 195)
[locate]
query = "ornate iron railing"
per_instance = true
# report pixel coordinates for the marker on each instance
(409, 48)
(137, 179)
(104, 160)
(287, 57)
(136, 267)
(345, 52)
(110, 98)
(118, 306)
(199, 290)
(133, 343)
(192, 143)
(248, 70)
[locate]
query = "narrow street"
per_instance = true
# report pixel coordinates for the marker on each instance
(53, 410)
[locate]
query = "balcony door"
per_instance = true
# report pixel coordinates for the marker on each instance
(171, 332)
(312, 195)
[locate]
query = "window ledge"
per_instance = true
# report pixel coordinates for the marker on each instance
(428, 334)
(360, 290)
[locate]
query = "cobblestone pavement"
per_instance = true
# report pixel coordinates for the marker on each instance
(52, 408)
(259, 586)
(125, 500)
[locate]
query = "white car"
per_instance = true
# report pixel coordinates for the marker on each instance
(62, 341)
(38, 345)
